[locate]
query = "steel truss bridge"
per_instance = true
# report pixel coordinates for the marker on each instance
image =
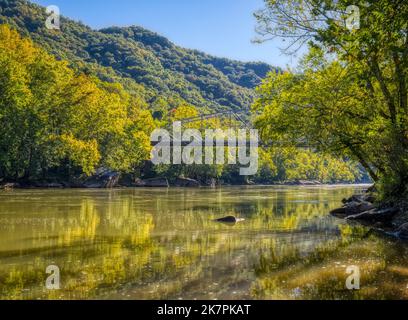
(239, 123)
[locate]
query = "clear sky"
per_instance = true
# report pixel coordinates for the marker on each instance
(220, 27)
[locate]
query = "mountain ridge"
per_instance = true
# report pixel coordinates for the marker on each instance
(165, 74)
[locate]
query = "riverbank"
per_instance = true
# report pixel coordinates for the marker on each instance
(164, 244)
(390, 219)
(111, 183)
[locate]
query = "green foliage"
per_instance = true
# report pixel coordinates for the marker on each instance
(142, 61)
(51, 117)
(281, 165)
(350, 97)
(288, 165)
(72, 117)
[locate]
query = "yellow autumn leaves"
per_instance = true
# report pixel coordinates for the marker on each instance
(53, 117)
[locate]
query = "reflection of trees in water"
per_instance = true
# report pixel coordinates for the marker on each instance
(322, 273)
(196, 244)
(93, 247)
(140, 246)
(80, 227)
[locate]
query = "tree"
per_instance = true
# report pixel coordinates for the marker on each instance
(52, 118)
(350, 97)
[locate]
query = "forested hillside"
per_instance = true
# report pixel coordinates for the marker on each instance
(164, 74)
(56, 122)
(76, 100)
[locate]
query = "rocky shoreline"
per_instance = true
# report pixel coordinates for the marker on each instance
(386, 219)
(108, 181)
(105, 179)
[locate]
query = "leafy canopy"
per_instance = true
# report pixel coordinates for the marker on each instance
(51, 117)
(350, 95)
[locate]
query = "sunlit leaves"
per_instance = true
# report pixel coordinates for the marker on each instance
(53, 118)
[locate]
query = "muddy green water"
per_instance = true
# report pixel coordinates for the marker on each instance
(164, 244)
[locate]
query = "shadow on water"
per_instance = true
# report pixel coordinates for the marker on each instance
(164, 244)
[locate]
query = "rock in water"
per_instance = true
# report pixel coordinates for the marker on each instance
(375, 215)
(103, 178)
(402, 231)
(229, 219)
(352, 208)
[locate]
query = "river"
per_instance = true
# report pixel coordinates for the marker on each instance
(164, 244)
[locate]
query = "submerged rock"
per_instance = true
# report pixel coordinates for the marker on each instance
(229, 219)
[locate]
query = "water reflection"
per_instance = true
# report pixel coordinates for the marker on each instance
(164, 244)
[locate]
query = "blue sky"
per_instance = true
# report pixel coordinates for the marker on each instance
(220, 27)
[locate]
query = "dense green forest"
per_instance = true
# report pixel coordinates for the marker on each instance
(350, 95)
(140, 59)
(54, 119)
(75, 100)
